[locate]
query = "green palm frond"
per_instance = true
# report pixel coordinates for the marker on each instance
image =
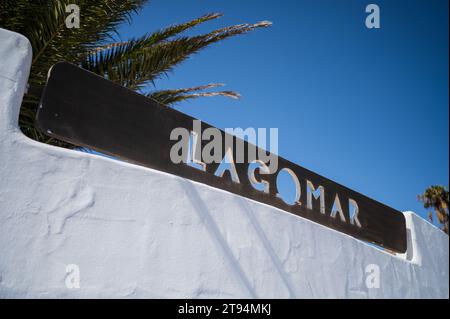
(437, 197)
(100, 59)
(139, 61)
(43, 23)
(13, 14)
(52, 41)
(170, 97)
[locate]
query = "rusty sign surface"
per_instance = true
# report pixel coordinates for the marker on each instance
(84, 109)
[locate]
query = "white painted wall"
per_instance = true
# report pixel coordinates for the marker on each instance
(137, 232)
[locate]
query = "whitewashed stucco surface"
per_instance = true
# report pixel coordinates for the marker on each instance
(137, 232)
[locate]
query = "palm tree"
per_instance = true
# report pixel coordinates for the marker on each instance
(437, 198)
(135, 63)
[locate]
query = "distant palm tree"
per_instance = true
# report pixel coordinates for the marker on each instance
(437, 197)
(134, 63)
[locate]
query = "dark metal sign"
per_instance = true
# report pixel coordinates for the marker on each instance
(82, 108)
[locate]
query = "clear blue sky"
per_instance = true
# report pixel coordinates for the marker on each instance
(365, 108)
